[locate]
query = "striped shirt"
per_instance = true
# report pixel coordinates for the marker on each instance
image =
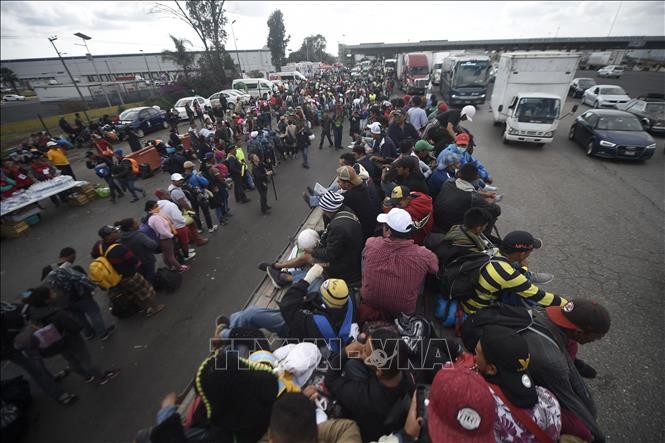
(498, 275)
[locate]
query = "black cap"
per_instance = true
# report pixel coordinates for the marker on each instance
(520, 241)
(509, 352)
(107, 230)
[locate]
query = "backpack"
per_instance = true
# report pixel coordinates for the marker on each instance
(499, 314)
(102, 273)
(329, 334)
(69, 282)
(459, 278)
(102, 170)
(135, 165)
(167, 280)
(123, 306)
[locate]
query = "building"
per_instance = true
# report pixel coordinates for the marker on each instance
(48, 71)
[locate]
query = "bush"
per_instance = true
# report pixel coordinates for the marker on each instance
(163, 102)
(121, 108)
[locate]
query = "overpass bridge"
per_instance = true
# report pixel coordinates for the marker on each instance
(530, 44)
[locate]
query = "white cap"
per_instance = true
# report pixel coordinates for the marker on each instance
(469, 111)
(176, 177)
(397, 219)
(49, 144)
(254, 134)
(375, 128)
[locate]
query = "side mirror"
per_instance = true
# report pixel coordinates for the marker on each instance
(574, 108)
(500, 108)
(645, 122)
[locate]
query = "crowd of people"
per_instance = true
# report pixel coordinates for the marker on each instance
(409, 248)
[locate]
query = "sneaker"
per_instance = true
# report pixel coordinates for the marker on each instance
(305, 166)
(191, 251)
(134, 200)
(67, 399)
(200, 231)
(89, 380)
(540, 278)
(276, 278)
(61, 374)
(489, 188)
(498, 198)
(190, 256)
(213, 229)
(264, 265)
(154, 311)
(108, 333)
(88, 337)
(183, 268)
(306, 196)
(222, 321)
(310, 190)
(108, 376)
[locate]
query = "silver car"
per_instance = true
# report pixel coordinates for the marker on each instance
(605, 96)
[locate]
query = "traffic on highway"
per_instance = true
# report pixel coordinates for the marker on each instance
(451, 246)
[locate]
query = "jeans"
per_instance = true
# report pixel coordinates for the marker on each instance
(263, 196)
(131, 187)
(270, 319)
(87, 311)
(32, 363)
(77, 355)
(305, 158)
(338, 136)
(325, 134)
(314, 199)
(204, 206)
(66, 170)
(113, 186)
(249, 181)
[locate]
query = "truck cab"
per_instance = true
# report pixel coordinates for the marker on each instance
(531, 118)
(415, 73)
(464, 79)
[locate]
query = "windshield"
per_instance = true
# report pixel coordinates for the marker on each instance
(619, 123)
(471, 74)
(538, 110)
(130, 114)
(437, 65)
(418, 70)
(586, 84)
(182, 102)
(615, 90)
(390, 64)
(656, 110)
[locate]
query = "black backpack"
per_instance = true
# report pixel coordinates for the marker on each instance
(167, 280)
(123, 306)
(459, 278)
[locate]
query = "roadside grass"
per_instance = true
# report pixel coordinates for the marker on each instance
(15, 133)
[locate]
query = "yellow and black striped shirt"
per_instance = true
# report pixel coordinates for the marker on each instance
(500, 275)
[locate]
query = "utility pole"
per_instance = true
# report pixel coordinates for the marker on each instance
(235, 45)
(85, 39)
(85, 103)
(117, 86)
(615, 19)
(146, 64)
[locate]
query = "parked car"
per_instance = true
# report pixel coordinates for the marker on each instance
(180, 105)
(579, 85)
(143, 120)
(612, 133)
(13, 98)
(244, 97)
(230, 98)
(605, 96)
(610, 71)
(650, 110)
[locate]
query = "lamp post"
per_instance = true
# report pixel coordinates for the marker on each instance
(85, 39)
(235, 45)
(85, 103)
(146, 64)
(117, 86)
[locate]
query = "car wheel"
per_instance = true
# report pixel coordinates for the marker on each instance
(590, 148)
(595, 104)
(165, 124)
(571, 133)
(139, 133)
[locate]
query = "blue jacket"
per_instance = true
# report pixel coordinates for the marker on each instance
(465, 157)
(197, 181)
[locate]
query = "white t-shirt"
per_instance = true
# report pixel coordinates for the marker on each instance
(171, 211)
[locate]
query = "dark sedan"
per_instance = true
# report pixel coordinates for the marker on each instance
(579, 85)
(650, 110)
(143, 120)
(612, 134)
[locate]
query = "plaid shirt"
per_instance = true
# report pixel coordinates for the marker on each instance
(393, 273)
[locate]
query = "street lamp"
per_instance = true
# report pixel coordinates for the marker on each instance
(85, 39)
(146, 64)
(235, 44)
(85, 103)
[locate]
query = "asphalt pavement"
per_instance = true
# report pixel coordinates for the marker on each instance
(601, 222)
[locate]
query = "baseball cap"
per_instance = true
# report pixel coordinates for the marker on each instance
(422, 145)
(461, 408)
(375, 128)
(469, 111)
(335, 292)
(581, 315)
(119, 152)
(347, 173)
(509, 352)
(49, 144)
(176, 177)
(397, 219)
(462, 139)
(398, 193)
(107, 230)
(442, 107)
(188, 164)
(520, 241)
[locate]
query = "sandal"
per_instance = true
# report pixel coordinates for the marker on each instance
(154, 311)
(61, 374)
(67, 399)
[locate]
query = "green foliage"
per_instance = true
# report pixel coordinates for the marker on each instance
(158, 100)
(277, 39)
(255, 74)
(8, 76)
(313, 49)
(181, 56)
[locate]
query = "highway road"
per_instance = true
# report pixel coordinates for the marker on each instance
(602, 226)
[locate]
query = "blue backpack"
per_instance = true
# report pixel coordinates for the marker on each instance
(329, 334)
(102, 170)
(147, 230)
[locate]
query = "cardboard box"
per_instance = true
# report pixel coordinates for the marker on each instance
(14, 230)
(77, 199)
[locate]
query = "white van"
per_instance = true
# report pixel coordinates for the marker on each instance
(286, 76)
(255, 87)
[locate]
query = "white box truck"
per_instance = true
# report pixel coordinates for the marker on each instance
(437, 61)
(529, 94)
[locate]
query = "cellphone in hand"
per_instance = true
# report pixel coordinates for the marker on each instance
(422, 401)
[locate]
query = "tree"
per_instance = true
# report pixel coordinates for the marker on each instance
(255, 74)
(276, 39)
(207, 19)
(180, 56)
(7, 76)
(313, 49)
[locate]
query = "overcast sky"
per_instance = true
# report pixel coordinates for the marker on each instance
(127, 27)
